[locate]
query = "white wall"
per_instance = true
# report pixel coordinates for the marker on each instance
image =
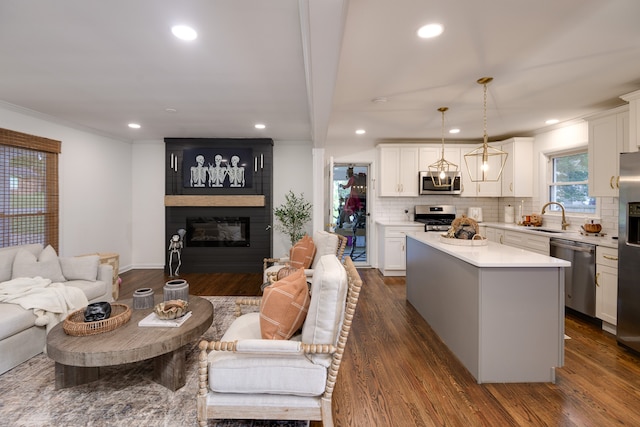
(149, 249)
(94, 181)
(292, 170)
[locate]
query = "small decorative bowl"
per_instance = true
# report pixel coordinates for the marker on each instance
(171, 309)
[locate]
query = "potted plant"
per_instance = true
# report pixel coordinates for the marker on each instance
(292, 216)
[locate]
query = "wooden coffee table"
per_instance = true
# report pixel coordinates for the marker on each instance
(78, 359)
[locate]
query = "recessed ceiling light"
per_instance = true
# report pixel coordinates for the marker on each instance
(259, 126)
(430, 30)
(379, 100)
(454, 130)
(134, 126)
(552, 121)
(361, 132)
(184, 32)
(170, 110)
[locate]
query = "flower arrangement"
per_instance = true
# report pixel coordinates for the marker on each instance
(292, 216)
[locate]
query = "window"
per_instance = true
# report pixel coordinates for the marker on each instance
(568, 183)
(28, 189)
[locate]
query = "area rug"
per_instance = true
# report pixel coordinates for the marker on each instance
(124, 395)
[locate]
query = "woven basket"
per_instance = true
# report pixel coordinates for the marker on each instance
(75, 325)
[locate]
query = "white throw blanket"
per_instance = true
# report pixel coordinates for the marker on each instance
(50, 302)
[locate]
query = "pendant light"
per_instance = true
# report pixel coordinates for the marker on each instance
(438, 171)
(486, 161)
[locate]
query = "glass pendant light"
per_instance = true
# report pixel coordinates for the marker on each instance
(484, 159)
(438, 171)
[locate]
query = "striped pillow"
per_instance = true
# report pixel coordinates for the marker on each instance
(284, 307)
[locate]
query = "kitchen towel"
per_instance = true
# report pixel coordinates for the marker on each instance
(509, 213)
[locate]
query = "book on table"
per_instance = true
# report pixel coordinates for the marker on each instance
(152, 320)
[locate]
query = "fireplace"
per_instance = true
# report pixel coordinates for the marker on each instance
(218, 231)
(227, 221)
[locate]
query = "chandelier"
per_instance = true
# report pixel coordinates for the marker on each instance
(439, 170)
(486, 162)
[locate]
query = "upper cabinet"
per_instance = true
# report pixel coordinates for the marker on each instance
(608, 137)
(479, 189)
(398, 170)
(517, 176)
(433, 153)
(633, 99)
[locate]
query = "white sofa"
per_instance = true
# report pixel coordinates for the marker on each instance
(20, 338)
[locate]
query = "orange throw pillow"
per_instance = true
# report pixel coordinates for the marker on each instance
(284, 307)
(302, 253)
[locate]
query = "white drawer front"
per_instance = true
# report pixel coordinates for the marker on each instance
(607, 256)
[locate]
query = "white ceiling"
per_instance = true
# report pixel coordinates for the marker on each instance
(309, 69)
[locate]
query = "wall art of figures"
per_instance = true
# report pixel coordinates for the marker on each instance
(217, 168)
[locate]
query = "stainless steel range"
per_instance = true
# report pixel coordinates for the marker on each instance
(435, 218)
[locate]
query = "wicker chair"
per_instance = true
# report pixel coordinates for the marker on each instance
(326, 243)
(242, 365)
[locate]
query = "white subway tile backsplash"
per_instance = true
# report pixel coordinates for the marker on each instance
(392, 209)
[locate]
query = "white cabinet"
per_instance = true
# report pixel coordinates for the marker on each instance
(494, 234)
(517, 176)
(392, 248)
(479, 189)
(530, 242)
(431, 154)
(398, 171)
(608, 137)
(633, 99)
(607, 284)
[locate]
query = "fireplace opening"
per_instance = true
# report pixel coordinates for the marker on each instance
(218, 231)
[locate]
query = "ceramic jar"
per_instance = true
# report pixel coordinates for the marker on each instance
(142, 298)
(176, 289)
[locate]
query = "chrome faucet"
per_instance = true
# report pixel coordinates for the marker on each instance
(564, 220)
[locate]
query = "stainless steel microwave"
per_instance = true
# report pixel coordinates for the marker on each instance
(452, 179)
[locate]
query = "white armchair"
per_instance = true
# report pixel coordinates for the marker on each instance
(245, 377)
(325, 242)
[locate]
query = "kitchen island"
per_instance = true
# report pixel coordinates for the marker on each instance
(499, 309)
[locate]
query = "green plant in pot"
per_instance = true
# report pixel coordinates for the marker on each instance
(292, 216)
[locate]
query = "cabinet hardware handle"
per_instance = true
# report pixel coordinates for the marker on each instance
(618, 182)
(597, 276)
(511, 186)
(611, 182)
(612, 258)
(501, 238)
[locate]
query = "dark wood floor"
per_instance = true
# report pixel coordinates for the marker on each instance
(396, 371)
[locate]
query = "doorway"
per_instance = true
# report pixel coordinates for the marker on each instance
(349, 208)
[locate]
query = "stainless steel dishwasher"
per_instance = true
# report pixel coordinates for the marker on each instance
(580, 278)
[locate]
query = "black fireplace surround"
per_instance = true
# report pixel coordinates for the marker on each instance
(222, 238)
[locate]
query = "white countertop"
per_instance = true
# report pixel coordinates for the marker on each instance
(605, 240)
(491, 255)
(399, 223)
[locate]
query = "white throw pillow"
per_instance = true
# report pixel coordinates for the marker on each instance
(46, 265)
(80, 268)
(326, 244)
(326, 311)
